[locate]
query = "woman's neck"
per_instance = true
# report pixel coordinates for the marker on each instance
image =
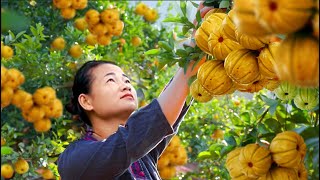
(102, 129)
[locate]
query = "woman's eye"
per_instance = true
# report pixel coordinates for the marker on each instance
(110, 80)
(128, 81)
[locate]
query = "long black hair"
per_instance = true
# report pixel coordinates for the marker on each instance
(82, 85)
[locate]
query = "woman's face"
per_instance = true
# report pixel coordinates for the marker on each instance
(112, 94)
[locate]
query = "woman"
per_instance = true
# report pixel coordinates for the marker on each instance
(123, 143)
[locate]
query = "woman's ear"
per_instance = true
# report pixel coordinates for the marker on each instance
(85, 102)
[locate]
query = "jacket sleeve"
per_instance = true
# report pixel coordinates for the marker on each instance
(144, 130)
(158, 150)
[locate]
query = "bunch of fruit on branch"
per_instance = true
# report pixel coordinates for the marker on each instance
(149, 14)
(6, 51)
(247, 53)
(174, 155)
(305, 98)
(101, 25)
(21, 166)
(36, 108)
(58, 44)
(68, 8)
(282, 159)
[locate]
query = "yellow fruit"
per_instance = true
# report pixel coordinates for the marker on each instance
(19, 97)
(179, 156)
(54, 109)
(117, 28)
(3, 141)
(213, 10)
(217, 134)
(297, 60)
(245, 18)
(220, 45)
(286, 91)
(47, 174)
(151, 15)
(280, 173)
(79, 4)
(167, 172)
(61, 4)
(302, 172)
(256, 86)
(315, 25)
(142, 103)
(282, 16)
(288, 149)
(58, 43)
(14, 78)
(251, 42)
(272, 84)
(199, 93)
(6, 96)
(212, 23)
(28, 102)
(68, 13)
(6, 171)
(307, 98)
(92, 17)
(233, 164)
(174, 143)
(122, 41)
(6, 52)
(3, 75)
(109, 16)
(104, 40)
(21, 166)
(72, 65)
(43, 125)
(36, 113)
(255, 160)
(44, 96)
(75, 51)
(81, 24)
(242, 66)
(213, 77)
(98, 29)
(163, 161)
(91, 39)
(136, 41)
(228, 27)
(141, 9)
(266, 60)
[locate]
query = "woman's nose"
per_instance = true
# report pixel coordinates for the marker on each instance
(126, 86)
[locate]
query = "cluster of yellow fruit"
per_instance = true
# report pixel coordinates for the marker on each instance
(102, 26)
(175, 154)
(283, 159)
(149, 14)
(6, 51)
(59, 44)
(21, 166)
(68, 7)
(298, 21)
(303, 97)
(248, 60)
(36, 108)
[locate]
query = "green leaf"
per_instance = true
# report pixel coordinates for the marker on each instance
(204, 155)
(198, 17)
(262, 128)
(183, 7)
(298, 118)
(181, 53)
(231, 141)
(152, 52)
(245, 117)
(273, 124)
(225, 150)
(224, 4)
(165, 45)
(173, 19)
(6, 150)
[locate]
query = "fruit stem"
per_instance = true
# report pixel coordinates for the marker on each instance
(317, 120)
(263, 115)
